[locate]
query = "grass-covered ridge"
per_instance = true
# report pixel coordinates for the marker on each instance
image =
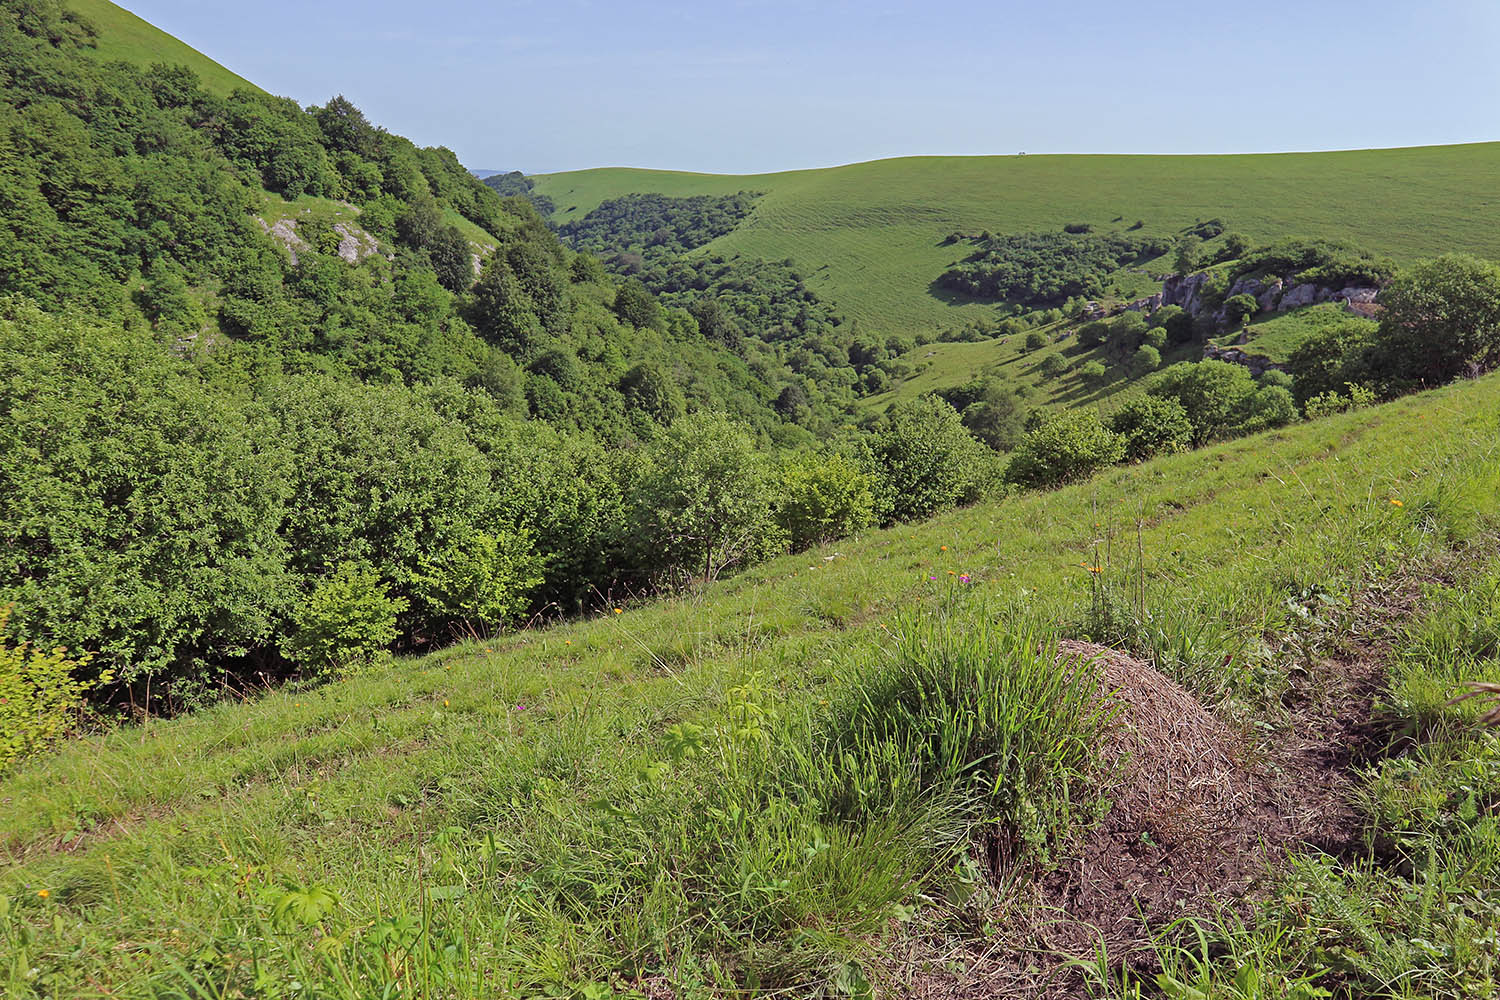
(870, 234)
(528, 816)
(126, 37)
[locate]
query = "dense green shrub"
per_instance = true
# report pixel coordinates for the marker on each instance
(1239, 308)
(1044, 269)
(1036, 340)
(928, 460)
(1219, 398)
(1093, 371)
(1150, 426)
(1053, 365)
(139, 508)
(821, 497)
(1066, 446)
(1441, 320)
(1145, 360)
(346, 622)
(702, 501)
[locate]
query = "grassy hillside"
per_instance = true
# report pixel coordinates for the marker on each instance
(527, 817)
(868, 234)
(126, 37)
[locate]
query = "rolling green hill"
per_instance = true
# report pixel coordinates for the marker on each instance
(868, 235)
(126, 37)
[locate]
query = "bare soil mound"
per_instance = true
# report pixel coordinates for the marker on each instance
(1188, 820)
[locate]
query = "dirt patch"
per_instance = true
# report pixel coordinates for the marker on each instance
(1199, 815)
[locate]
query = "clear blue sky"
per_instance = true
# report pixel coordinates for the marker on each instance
(742, 87)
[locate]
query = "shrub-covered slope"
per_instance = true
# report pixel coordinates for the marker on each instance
(620, 803)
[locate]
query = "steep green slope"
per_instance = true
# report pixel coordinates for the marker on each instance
(124, 36)
(515, 807)
(869, 234)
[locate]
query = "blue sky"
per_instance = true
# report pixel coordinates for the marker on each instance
(744, 87)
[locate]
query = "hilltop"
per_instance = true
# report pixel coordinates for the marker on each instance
(870, 238)
(124, 36)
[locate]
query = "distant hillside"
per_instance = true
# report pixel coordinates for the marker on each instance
(869, 235)
(124, 36)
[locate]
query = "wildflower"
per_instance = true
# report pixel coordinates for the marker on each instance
(567, 642)
(489, 649)
(965, 578)
(619, 611)
(445, 702)
(43, 893)
(950, 572)
(1096, 569)
(1397, 503)
(933, 579)
(945, 548)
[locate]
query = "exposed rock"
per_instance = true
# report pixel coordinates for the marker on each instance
(1184, 290)
(1355, 293)
(1269, 295)
(354, 243)
(1297, 296)
(1148, 305)
(285, 233)
(1258, 365)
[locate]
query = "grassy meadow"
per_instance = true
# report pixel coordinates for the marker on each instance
(868, 235)
(770, 783)
(125, 37)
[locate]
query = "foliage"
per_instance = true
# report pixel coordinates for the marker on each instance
(517, 185)
(1093, 371)
(346, 622)
(650, 221)
(1053, 365)
(1150, 426)
(1222, 399)
(139, 508)
(928, 461)
(1145, 360)
(1037, 269)
(1064, 447)
(1441, 320)
(41, 694)
(1319, 262)
(822, 497)
(701, 500)
(1239, 308)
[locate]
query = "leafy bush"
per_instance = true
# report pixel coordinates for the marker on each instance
(1065, 447)
(1036, 340)
(1053, 365)
(1239, 308)
(1222, 400)
(1043, 269)
(1441, 320)
(1094, 371)
(1331, 357)
(41, 694)
(1094, 333)
(822, 497)
(1150, 426)
(928, 460)
(347, 621)
(1145, 360)
(702, 501)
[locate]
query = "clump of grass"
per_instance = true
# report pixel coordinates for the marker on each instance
(969, 711)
